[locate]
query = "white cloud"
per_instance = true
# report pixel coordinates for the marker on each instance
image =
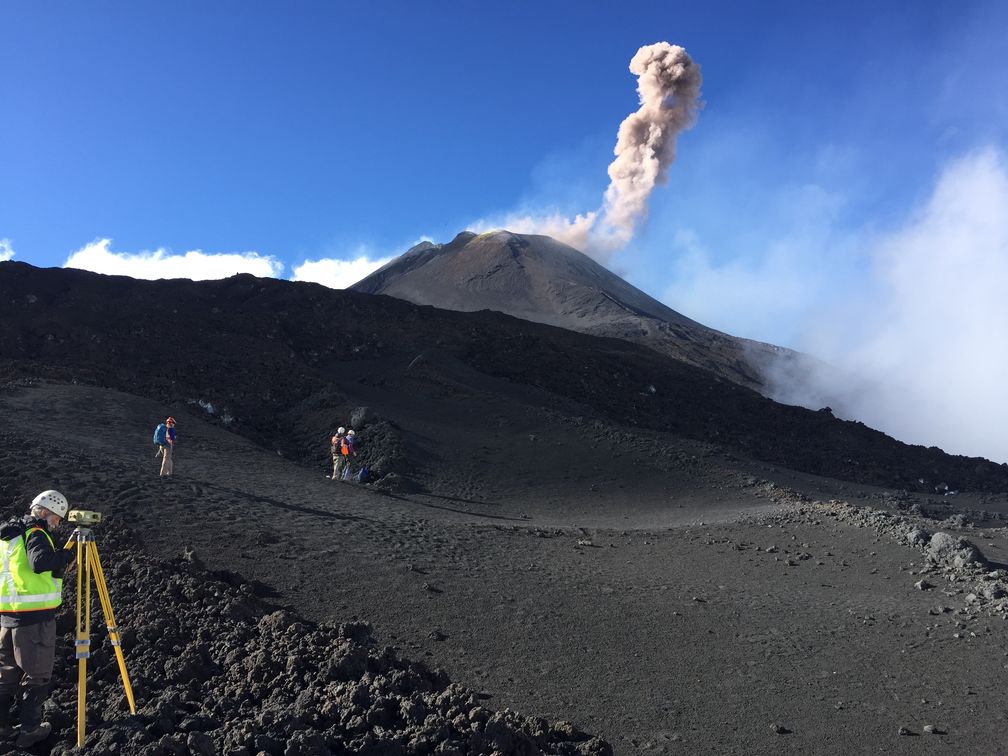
(913, 319)
(927, 331)
(336, 273)
(196, 264)
(6, 250)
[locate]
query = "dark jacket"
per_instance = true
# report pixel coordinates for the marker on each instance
(42, 557)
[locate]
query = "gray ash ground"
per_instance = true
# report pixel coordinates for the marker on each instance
(218, 671)
(703, 604)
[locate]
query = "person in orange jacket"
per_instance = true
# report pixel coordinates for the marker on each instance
(335, 446)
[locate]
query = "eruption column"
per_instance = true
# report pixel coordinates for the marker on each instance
(669, 88)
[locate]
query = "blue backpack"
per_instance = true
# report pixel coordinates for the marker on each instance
(161, 435)
(363, 475)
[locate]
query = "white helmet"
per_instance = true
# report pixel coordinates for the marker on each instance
(350, 432)
(341, 430)
(54, 501)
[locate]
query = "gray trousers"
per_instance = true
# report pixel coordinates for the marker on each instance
(27, 656)
(342, 464)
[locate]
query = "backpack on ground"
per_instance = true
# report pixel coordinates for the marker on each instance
(363, 474)
(346, 474)
(161, 435)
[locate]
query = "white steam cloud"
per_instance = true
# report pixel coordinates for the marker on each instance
(923, 349)
(197, 265)
(668, 85)
(6, 250)
(338, 274)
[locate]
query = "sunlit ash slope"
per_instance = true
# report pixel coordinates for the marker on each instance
(540, 279)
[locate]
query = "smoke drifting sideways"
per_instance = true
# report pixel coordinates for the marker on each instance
(668, 86)
(920, 351)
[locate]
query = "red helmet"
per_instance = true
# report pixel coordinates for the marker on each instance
(170, 421)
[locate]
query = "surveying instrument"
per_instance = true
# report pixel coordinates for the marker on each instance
(88, 565)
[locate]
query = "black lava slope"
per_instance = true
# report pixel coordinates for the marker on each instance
(268, 353)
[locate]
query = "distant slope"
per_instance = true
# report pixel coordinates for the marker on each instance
(540, 279)
(277, 356)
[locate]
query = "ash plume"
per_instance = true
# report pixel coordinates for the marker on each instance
(668, 86)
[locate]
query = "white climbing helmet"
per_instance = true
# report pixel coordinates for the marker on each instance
(349, 432)
(54, 501)
(341, 430)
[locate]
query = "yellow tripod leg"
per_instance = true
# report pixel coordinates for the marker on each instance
(110, 622)
(83, 642)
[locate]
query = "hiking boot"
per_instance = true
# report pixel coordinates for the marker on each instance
(40, 733)
(6, 728)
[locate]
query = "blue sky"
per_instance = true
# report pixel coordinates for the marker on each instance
(265, 136)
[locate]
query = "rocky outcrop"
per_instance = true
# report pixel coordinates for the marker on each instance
(215, 670)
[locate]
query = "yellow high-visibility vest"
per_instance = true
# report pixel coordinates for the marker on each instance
(21, 588)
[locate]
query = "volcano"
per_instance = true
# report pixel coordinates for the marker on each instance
(537, 278)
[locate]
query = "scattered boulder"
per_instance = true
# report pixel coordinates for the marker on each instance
(957, 520)
(949, 550)
(917, 537)
(992, 591)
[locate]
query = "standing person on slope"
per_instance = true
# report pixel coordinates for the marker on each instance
(335, 447)
(347, 450)
(31, 590)
(168, 448)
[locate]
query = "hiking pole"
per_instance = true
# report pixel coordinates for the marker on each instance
(88, 565)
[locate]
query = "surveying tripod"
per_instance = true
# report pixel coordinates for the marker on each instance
(89, 564)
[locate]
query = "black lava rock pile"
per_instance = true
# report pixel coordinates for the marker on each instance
(216, 670)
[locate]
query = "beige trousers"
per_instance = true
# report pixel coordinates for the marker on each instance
(166, 460)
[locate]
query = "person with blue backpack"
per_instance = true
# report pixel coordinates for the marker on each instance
(164, 439)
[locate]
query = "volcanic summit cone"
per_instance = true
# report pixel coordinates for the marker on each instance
(540, 279)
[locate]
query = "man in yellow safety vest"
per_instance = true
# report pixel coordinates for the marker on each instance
(31, 589)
